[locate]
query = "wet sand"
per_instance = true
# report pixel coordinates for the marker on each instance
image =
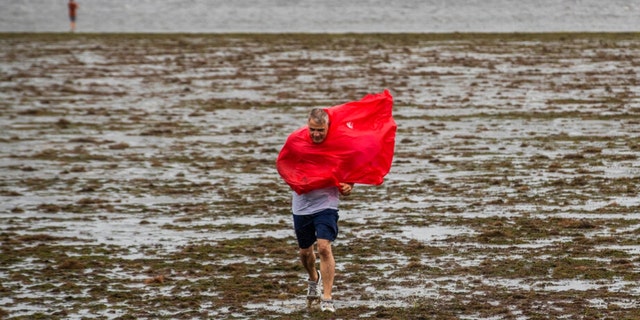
(138, 177)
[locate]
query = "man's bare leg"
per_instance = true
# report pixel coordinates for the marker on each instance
(327, 267)
(308, 259)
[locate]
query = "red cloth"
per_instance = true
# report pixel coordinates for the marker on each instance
(358, 148)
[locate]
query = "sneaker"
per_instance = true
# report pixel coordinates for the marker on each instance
(327, 305)
(314, 290)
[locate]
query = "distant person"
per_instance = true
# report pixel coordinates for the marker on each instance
(73, 7)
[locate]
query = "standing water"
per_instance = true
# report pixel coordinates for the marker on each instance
(326, 16)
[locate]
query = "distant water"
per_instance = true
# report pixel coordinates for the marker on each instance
(323, 16)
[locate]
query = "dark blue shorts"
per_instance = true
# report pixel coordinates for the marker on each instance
(320, 225)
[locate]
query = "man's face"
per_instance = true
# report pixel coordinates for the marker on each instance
(318, 132)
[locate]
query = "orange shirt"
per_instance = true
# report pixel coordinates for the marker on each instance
(73, 6)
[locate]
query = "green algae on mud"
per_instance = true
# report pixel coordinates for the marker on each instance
(139, 180)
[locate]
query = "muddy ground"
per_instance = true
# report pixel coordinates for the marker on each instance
(138, 177)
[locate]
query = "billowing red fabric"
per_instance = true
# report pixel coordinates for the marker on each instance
(358, 148)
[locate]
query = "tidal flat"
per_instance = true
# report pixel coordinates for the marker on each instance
(138, 176)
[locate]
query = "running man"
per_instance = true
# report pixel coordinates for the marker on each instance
(315, 219)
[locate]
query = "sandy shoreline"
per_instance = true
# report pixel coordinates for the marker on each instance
(138, 175)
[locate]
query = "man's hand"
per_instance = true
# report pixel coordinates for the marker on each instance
(345, 188)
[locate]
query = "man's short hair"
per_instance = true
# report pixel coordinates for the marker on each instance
(319, 116)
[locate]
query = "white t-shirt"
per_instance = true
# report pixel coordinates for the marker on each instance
(315, 201)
